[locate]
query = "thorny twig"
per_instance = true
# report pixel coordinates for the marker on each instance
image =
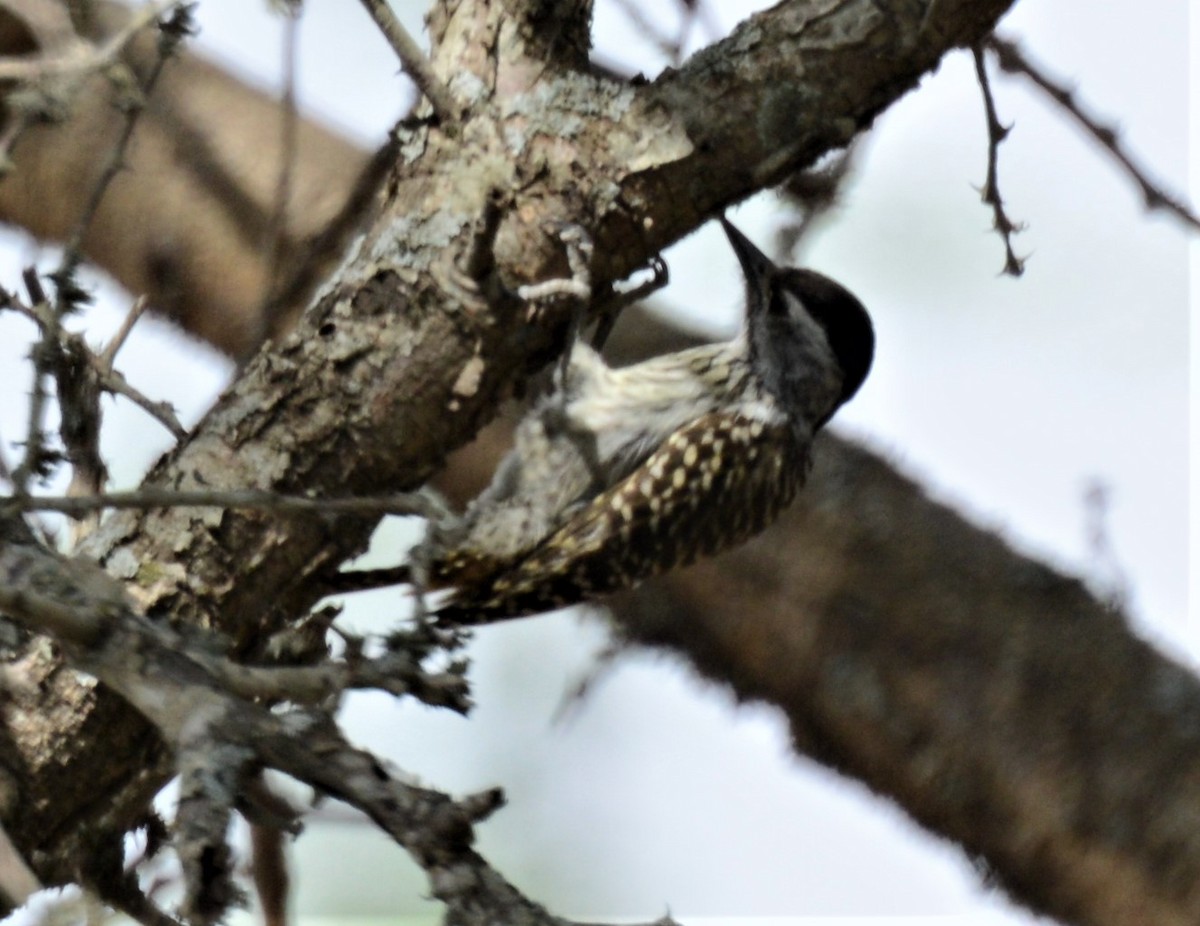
(990, 194)
(1012, 60)
(223, 738)
(419, 504)
(110, 379)
(49, 351)
(36, 459)
(171, 32)
(414, 61)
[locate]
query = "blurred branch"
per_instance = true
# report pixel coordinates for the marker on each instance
(222, 198)
(813, 194)
(17, 880)
(74, 57)
(277, 226)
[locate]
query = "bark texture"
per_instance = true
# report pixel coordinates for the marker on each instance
(995, 699)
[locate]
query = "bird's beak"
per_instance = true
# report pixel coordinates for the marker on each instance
(755, 264)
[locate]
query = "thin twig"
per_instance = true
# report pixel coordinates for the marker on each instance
(413, 60)
(116, 159)
(417, 504)
(114, 381)
(111, 380)
(108, 355)
(50, 354)
(351, 581)
(990, 194)
(6, 473)
(35, 457)
(1012, 60)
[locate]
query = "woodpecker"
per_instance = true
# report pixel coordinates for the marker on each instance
(622, 474)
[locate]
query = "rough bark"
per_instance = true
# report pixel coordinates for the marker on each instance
(994, 699)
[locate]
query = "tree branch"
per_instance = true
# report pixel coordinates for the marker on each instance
(364, 399)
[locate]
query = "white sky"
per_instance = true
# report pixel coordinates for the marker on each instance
(1006, 398)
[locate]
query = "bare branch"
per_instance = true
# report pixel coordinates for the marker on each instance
(1013, 60)
(36, 460)
(171, 30)
(110, 379)
(222, 738)
(990, 194)
(421, 504)
(79, 57)
(278, 224)
(414, 61)
(108, 355)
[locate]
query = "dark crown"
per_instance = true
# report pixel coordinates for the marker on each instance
(845, 320)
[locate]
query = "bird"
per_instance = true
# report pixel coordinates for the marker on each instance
(622, 474)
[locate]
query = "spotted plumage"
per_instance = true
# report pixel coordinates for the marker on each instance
(620, 475)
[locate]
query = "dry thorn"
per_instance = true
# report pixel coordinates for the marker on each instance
(1013, 61)
(110, 379)
(990, 194)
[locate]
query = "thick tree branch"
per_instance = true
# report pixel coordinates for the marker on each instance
(370, 392)
(999, 702)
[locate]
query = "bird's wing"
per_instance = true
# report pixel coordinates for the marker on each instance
(711, 485)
